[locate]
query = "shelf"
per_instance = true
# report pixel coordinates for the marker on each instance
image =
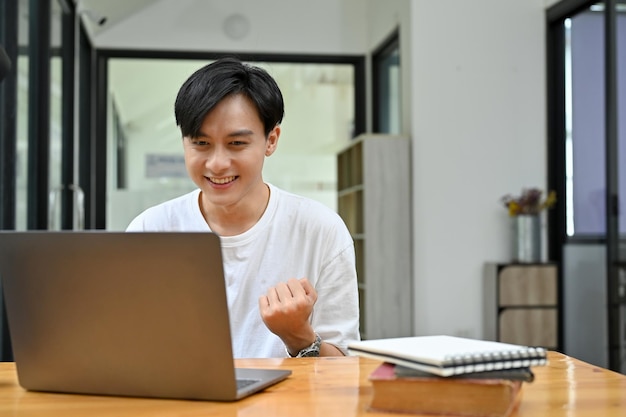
(521, 304)
(374, 202)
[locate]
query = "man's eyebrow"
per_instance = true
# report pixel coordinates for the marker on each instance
(233, 134)
(241, 132)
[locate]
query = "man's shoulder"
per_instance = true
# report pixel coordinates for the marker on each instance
(166, 215)
(307, 210)
(173, 205)
(296, 201)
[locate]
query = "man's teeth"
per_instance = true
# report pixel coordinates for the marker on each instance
(222, 180)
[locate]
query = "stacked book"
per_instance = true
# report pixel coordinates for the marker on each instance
(447, 375)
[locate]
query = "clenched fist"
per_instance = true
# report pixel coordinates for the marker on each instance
(285, 310)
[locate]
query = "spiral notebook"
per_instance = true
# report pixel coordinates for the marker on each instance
(450, 355)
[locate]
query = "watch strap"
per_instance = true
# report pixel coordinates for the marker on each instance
(312, 350)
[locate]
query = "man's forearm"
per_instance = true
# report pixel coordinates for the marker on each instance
(326, 349)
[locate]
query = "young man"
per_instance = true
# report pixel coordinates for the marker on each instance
(289, 261)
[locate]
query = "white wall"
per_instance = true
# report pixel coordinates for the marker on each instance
(479, 132)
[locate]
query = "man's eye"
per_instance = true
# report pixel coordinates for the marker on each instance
(200, 142)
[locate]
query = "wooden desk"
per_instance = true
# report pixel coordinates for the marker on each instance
(329, 387)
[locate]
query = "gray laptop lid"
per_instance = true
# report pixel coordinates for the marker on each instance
(113, 313)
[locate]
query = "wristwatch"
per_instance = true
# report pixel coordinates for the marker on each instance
(310, 351)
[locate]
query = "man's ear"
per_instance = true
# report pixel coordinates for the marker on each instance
(272, 141)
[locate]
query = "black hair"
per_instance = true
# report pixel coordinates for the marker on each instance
(209, 85)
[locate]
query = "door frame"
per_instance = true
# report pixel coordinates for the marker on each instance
(96, 188)
(556, 130)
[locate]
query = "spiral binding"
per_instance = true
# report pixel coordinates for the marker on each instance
(495, 360)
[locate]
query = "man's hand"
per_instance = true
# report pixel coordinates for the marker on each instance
(285, 310)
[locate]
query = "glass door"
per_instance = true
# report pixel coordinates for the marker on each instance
(615, 18)
(36, 117)
(587, 153)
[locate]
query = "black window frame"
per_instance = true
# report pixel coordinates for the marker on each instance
(96, 188)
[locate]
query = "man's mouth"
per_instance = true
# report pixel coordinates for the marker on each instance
(222, 181)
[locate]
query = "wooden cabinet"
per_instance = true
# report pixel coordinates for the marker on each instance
(522, 304)
(374, 199)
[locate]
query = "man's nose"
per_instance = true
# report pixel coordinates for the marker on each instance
(218, 160)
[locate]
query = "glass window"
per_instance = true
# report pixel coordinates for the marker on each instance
(21, 165)
(144, 138)
(585, 122)
(387, 87)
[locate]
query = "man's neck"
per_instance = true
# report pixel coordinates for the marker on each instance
(237, 219)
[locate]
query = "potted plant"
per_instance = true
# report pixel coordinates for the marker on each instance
(525, 209)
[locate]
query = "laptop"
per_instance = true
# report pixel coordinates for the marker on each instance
(124, 314)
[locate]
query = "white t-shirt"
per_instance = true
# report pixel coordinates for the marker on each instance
(295, 238)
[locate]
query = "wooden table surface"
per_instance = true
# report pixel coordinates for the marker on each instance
(329, 387)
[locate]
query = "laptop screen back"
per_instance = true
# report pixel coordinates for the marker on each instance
(139, 314)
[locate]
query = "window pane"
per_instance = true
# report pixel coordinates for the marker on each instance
(54, 177)
(587, 133)
(388, 90)
(22, 141)
(586, 130)
(56, 121)
(587, 123)
(144, 138)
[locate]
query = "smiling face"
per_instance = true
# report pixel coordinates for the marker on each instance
(226, 159)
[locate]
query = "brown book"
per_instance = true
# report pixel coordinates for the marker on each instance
(437, 395)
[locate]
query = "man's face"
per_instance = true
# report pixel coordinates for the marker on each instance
(226, 159)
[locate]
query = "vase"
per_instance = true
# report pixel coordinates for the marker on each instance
(527, 238)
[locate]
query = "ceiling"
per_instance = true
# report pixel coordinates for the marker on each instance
(114, 11)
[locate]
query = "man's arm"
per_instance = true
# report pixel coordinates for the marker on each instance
(286, 309)
(326, 349)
